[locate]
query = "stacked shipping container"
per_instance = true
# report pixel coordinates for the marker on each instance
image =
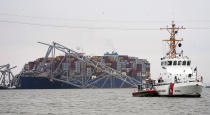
(131, 66)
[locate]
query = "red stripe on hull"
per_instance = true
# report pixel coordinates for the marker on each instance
(171, 88)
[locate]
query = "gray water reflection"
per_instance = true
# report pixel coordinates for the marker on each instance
(97, 102)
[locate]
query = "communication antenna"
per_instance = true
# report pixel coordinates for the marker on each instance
(172, 42)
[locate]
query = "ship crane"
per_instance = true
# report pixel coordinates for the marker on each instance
(6, 76)
(85, 82)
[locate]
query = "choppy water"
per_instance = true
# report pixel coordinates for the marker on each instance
(97, 102)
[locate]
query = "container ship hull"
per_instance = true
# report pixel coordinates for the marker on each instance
(28, 82)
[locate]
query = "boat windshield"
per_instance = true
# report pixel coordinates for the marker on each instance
(175, 63)
(162, 63)
(184, 63)
(179, 62)
(169, 62)
(188, 63)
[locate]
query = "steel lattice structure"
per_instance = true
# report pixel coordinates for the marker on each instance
(86, 81)
(6, 76)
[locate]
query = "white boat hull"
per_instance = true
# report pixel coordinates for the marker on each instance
(193, 89)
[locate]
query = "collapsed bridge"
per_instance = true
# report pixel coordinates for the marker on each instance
(6, 76)
(60, 71)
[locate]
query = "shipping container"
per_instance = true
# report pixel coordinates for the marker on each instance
(147, 69)
(77, 66)
(124, 56)
(128, 65)
(120, 58)
(98, 70)
(114, 65)
(124, 70)
(30, 65)
(89, 71)
(119, 66)
(130, 73)
(143, 74)
(49, 58)
(134, 74)
(143, 67)
(138, 73)
(123, 65)
(59, 58)
(109, 64)
(139, 67)
(65, 66)
(112, 59)
(26, 67)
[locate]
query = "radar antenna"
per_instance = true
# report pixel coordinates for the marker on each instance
(172, 42)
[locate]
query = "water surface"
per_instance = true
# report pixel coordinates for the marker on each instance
(97, 102)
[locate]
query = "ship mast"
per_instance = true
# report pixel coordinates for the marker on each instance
(172, 41)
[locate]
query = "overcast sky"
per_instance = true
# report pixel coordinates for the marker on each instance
(97, 26)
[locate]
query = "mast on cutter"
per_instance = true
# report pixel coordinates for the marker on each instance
(173, 30)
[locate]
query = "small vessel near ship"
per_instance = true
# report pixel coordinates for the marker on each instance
(146, 90)
(145, 93)
(177, 77)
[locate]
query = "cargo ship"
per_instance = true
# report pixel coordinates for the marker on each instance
(75, 73)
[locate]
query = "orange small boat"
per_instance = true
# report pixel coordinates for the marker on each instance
(145, 93)
(145, 90)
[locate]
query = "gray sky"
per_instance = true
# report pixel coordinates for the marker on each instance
(98, 26)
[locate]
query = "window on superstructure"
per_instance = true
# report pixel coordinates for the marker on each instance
(184, 63)
(179, 62)
(169, 62)
(188, 63)
(175, 63)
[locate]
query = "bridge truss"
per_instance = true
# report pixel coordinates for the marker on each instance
(85, 81)
(6, 76)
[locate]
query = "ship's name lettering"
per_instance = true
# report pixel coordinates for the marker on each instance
(177, 91)
(161, 90)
